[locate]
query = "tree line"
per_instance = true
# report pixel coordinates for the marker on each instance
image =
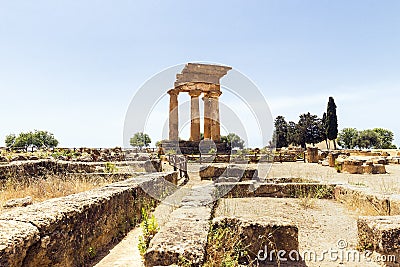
(377, 138)
(310, 129)
(36, 139)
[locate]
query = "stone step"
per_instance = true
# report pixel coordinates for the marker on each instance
(184, 237)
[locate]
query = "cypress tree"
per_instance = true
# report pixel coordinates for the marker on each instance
(331, 121)
(323, 130)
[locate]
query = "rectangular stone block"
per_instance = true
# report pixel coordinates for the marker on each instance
(362, 199)
(379, 233)
(261, 236)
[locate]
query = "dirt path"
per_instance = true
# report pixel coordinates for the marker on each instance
(126, 252)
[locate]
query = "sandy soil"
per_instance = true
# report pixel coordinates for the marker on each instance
(383, 183)
(327, 226)
(321, 227)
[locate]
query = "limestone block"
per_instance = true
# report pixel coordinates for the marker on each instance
(379, 233)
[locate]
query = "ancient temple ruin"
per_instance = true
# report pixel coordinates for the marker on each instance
(197, 79)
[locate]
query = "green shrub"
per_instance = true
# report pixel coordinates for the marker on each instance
(150, 228)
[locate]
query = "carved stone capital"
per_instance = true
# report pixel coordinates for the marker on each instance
(173, 92)
(195, 93)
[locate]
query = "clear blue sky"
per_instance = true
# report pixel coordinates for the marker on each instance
(72, 67)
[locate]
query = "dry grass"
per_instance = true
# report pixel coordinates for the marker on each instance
(48, 187)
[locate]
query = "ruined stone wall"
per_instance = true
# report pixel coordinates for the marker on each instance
(69, 231)
(43, 167)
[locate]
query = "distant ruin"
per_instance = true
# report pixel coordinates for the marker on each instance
(196, 79)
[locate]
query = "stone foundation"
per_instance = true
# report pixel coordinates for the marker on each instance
(266, 234)
(380, 234)
(34, 168)
(185, 235)
(368, 202)
(69, 231)
(217, 172)
(251, 189)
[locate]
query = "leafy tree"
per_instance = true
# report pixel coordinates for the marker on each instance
(348, 137)
(292, 134)
(234, 140)
(41, 139)
(281, 131)
(10, 140)
(368, 139)
(309, 130)
(36, 139)
(140, 140)
(385, 137)
(331, 121)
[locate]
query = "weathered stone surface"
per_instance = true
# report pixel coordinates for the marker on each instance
(43, 167)
(252, 189)
(185, 235)
(266, 234)
(18, 202)
(394, 204)
(48, 167)
(354, 166)
(71, 226)
(215, 171)
(363, 199)
(332, 158)
(16, 238)
(19, 158)
(380, 160)
(312, 155)
(379, 169)
(381, 233)
(195, 72)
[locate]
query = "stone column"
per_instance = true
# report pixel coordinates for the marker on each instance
(215, 124)
(173, 114)
(207, 116)
(194, 115)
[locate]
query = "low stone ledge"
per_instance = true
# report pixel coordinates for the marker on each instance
(253, 189)
(380, 234)
(215, 171)
(67, 230)
(16, 238)
(18, 202)
(33, 168)
(185, 235)
(261, 236)
(366, 201)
